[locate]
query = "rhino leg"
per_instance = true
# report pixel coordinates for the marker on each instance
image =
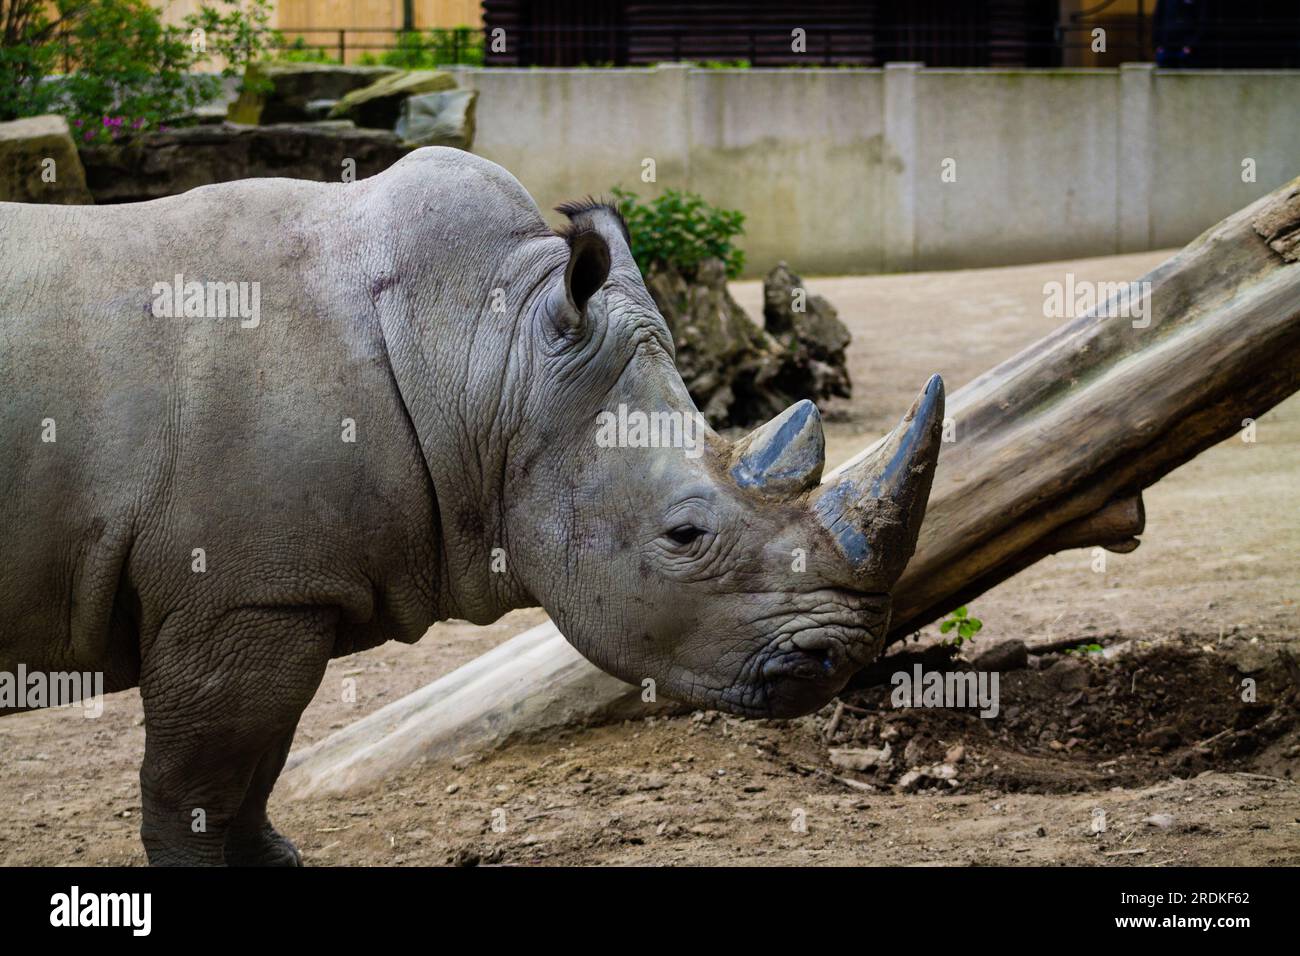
(221, 700)
(251, 840)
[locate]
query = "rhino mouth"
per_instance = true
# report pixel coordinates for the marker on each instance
(811, 657)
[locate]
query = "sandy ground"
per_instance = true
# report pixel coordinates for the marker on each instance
(1201, 604)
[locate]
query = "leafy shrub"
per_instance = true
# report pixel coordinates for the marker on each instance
(299, 52)
(423, 51)
(28, 52)
(129, 64)
(240, 35)
(680, 229)
(124, 63)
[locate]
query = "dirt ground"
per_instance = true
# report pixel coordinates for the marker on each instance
(1141, 753)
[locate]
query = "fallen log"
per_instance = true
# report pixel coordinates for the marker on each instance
(1047, 451)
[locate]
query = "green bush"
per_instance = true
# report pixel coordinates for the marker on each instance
(239, 32)
(299, 52)
(681, 229)
(126, 65)
(29, 51)
(424, 51)
(125, 69)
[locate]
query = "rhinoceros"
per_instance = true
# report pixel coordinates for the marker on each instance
(386, 416)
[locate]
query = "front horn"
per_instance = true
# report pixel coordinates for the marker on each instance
(875, 506)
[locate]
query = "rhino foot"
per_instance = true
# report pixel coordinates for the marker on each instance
(267, 847)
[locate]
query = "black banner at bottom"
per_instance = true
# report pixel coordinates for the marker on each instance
(869, 905)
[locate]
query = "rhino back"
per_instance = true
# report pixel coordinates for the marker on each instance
(172, 435)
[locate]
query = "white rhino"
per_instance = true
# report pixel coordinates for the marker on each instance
(397, 425)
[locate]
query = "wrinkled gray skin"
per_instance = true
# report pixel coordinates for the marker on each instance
(475, 431)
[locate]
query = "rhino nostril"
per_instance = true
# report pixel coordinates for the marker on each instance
(815, 662)
(824, 651)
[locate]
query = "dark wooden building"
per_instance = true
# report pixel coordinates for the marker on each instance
(862, 33)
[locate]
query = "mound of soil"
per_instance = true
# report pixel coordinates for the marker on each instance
(1074, 720)
(1125, 737)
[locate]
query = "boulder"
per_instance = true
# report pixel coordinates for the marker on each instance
(39, 163)
(165, 163)
(319, 109)
(294, 87)
(860, 758)
(725, 359)
(1250, 657)
(209, 114)
(807, 326)
(439, 119)
(740, 373)
(379, 104)
(1010, 655)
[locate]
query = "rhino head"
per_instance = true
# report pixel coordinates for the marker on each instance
(725, 572)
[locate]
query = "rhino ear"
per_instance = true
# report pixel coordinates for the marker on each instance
(588, 267)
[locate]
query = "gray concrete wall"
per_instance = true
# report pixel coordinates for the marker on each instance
(841, 170)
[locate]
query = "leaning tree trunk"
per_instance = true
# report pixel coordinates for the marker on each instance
(1050, 450)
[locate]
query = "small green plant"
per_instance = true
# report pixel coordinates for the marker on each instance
(680, 229)
(299, 52)
(422, 51)
(1084, 649)
(967, 626)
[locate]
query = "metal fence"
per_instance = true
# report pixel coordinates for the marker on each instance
(1215, 43)
(459, 45)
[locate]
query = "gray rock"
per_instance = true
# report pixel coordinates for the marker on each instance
(163, 164)
(808, 326)
(439, 119)
(1010, 655)
(1115, 651)
(295, 86)
(738, 373)
(319, 109)
(378, 105)
(1250, 657)
(725, 359)
(37, 149)
(915, 750)
(867, 758)
(209, 114)
(910, 781)
(1068, 675)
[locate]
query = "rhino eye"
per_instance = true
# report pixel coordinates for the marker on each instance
(685, 534)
